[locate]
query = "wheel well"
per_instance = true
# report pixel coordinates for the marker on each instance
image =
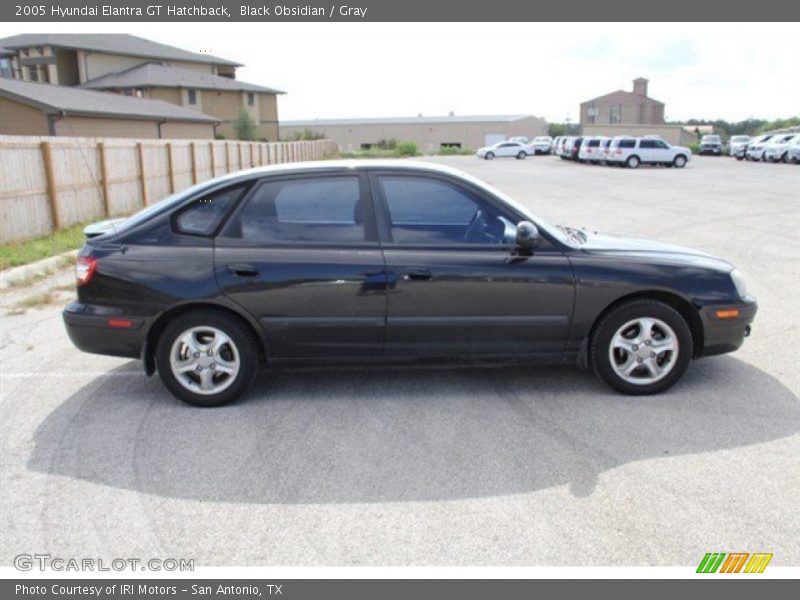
(163, 320)
(684, 308)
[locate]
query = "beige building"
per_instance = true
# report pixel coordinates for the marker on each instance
(140, 68)
(624, 108)
(430, 133)
(31, 108)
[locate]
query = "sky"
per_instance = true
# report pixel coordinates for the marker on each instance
(333, 70)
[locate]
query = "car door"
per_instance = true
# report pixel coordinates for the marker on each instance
(662, 152)
(508, 149)
(647, 152)
(456, 287)
(301, 254)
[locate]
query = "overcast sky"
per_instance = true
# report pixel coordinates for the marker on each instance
(729, 71)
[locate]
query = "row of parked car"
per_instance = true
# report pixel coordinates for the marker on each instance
(621, 151)
(517, 147)
(770, 147)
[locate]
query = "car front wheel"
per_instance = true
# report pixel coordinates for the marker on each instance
(521, 155)
(641, 347)
(679, 161)
(207, 358)
(632, 162)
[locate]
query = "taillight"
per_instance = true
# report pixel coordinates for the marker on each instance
(84, 269)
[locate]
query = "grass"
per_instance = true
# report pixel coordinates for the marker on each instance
(14, 254)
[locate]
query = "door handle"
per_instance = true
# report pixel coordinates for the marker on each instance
(243, 270)
(417, 275)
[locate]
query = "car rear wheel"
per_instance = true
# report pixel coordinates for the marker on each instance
(641, 347)
(207, 358)
(679, 161)
(633, 162)
(489, 155)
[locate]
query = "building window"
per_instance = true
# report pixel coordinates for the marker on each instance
(450, 145)
(192, 96)
(614, 114)
(139, 93)
(251, 99)
(591, 114)
(366, 146)
(33, 73)
(5, 68)
(128, 92)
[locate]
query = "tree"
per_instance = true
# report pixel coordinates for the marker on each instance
(245, 126)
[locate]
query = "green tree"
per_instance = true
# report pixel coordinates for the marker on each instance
(245, 126)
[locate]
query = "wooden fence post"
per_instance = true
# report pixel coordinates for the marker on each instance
(171, 166)
(193, 147)
(241, 155)
(142, 173)
(227, 157)
(212, 159)
(52, 189)
(101, 149)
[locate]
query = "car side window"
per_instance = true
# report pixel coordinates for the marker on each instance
(661, 144)
(318, 209)
(647, 144)
(426, 211)
(206, 212)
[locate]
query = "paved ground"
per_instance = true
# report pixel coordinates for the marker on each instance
(514, 466)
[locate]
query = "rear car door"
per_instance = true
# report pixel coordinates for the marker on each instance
(455, 285)
(301, 254)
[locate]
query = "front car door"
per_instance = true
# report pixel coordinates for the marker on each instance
(301, 254)
(455, 285)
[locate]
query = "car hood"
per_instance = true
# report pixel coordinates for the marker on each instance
(610, 244)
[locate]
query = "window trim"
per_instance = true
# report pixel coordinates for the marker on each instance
(369, 226)
(384, 222)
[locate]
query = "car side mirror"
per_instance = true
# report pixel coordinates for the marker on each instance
(527, 235)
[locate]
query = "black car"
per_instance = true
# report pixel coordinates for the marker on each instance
(374, 262)
(710, 144)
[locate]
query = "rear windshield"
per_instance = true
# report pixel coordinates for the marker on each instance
(593, 143)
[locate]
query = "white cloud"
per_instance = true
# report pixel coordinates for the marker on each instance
(731, 71)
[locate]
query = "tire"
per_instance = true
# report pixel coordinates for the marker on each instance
(740, 158)
(624, 321)
(239, 354)
(489, 155)
(679, 161)
(785, 157)
(521, 156)
(633, 162)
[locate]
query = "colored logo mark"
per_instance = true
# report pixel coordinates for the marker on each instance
(734, 562)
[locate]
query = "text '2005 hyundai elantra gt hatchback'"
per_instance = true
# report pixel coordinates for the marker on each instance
(378, 262)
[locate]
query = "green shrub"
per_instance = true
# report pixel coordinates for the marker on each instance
(407, 149)
(245, 126)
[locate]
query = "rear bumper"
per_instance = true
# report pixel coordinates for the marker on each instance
(101, 330)
(726, 335)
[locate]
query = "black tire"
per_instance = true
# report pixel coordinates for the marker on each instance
(521, 156)
(619, 316)
(242, 337)
(633, 162)
(489, 155)
(679, 161)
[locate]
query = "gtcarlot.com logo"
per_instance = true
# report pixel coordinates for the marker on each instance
(43, 562)
(734, 562)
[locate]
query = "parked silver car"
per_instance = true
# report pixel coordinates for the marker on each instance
(542, 144)
(778, 147)
(755, 149)
(505, 149)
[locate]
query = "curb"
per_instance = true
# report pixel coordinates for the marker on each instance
(41, 268)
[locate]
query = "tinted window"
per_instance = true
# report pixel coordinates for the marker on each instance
(326, 210)
(627, 143)
(647, 144)
(206, 212)
(429, 211)
(660, 144)
(593, 143)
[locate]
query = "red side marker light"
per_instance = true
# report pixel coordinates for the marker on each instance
(120, 323)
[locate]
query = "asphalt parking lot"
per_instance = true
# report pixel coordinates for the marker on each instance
(503, 466)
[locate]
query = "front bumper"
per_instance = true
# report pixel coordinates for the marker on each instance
(726, 335)
(102, 330)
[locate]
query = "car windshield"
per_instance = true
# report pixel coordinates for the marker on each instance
(714, 139)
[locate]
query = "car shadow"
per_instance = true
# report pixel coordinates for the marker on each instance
(379, 435)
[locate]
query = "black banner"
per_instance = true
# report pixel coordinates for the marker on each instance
(394, 10)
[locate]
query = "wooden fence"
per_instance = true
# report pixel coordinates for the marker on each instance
(52, 182)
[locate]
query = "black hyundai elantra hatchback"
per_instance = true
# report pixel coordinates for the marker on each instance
(375, 262)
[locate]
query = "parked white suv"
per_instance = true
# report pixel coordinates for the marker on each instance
(542, 144)
(503, 149)
(738, 145)
(777, 148)
(591, 150)
(632, 152)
